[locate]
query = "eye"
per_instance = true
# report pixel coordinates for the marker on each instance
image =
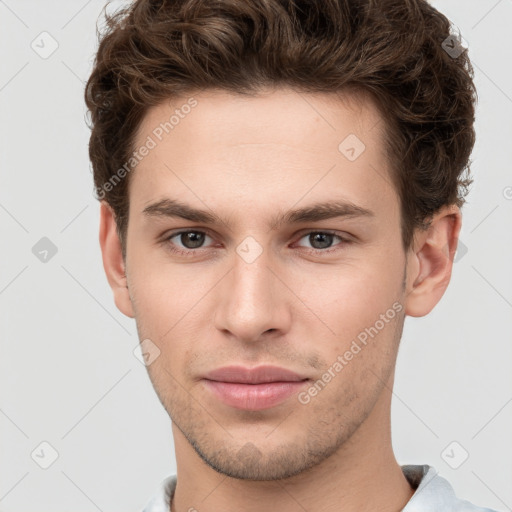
(190, 241)
(322, 241)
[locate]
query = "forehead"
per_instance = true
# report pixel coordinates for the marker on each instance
(273, 147)
(261, 118)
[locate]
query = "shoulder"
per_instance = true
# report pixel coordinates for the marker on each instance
(161, 500)
(433, 492)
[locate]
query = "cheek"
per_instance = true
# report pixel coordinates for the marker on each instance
(166, 292)
(364, 312)
(350, 298)
(169, 303)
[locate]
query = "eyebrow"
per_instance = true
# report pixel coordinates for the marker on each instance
(313, 213)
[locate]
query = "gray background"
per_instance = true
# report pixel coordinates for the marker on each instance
(68, 374)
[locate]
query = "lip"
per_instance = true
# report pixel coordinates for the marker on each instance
(258, 375)
(253, 389)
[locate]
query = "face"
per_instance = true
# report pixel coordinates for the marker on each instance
(265, 275)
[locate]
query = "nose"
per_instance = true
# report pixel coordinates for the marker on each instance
(253, 301)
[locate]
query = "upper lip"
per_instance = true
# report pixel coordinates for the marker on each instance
(257, 375)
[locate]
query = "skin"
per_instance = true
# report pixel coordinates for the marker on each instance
(247, 159)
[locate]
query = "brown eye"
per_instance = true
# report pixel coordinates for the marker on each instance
(186, 242)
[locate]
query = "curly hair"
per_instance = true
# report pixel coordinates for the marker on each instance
(394, 50)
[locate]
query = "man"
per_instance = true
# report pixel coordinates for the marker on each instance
(280, 186)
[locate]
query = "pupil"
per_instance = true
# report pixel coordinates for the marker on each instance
(192, 239)
(320, 236)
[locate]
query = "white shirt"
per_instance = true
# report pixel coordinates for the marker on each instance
(433, 493)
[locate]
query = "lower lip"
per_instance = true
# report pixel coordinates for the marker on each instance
(253, 397)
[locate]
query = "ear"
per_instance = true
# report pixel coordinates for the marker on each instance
(113, 260)
(429, 263)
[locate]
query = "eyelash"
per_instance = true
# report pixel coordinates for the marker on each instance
(190, 252)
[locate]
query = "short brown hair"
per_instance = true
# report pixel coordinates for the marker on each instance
(154, 50)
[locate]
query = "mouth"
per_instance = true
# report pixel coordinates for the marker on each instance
(253, 389)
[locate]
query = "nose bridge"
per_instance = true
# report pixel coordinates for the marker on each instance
(251, 302)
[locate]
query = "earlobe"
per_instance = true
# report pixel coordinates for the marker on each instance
(113, 260)
(429, 264)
